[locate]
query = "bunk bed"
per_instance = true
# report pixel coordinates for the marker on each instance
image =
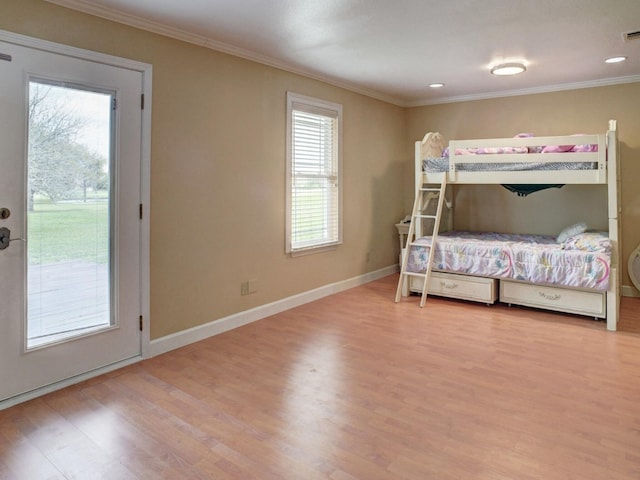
(576, 271)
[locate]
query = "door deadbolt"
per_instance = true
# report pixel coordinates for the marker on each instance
(5, 213)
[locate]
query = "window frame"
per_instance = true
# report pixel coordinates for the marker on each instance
(303, 103)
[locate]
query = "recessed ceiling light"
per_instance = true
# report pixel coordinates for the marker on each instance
(508, 68)
(615, 59)
(436, 85)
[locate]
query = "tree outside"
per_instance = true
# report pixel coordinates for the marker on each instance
(68, 177)
(61, 167)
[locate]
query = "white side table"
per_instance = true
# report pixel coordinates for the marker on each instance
(403, 230)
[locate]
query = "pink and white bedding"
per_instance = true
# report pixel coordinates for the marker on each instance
(441, 163)
(581, 261)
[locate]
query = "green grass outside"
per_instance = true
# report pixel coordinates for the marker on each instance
(67, 231)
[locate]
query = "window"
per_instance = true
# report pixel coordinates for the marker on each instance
(314, 190)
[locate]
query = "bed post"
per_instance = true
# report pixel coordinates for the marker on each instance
(613, 195)
(418, 175)
(417, 166)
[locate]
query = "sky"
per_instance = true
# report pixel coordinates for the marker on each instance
(94, 110)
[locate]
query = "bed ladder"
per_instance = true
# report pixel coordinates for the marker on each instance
(424, 194)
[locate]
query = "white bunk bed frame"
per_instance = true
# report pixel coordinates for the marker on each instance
(585, 302)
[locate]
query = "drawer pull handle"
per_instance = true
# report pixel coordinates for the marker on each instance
(548, 296)
(448, 285)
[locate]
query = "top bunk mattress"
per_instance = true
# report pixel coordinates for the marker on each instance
(441, 164)
(580, 261)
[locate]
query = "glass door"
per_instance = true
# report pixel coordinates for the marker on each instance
(70, 240)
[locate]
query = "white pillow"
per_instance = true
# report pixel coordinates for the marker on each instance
(571, 230)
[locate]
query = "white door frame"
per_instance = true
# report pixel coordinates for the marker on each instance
(145, 197)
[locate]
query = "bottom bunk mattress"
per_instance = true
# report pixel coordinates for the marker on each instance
(580, 261)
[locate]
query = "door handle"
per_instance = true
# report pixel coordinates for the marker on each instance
(5, 238)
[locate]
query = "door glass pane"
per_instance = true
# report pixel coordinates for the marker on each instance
(69, 171)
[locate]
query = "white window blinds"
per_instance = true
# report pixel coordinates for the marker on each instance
(313, 203)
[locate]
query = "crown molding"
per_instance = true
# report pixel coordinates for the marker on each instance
(178, 34)
(527, 91)
(202, 41)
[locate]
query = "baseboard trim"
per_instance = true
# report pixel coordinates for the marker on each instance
(216, 327)
(629, 291)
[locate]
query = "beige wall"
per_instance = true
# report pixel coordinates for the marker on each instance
(217, 167)
(218, 171)
(547, 212)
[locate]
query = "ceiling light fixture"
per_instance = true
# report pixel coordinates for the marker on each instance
(615, 59)
(436, 85)
(508, 68)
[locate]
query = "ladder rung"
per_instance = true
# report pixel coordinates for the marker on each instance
(415, 274)
(415, 244)
(429, 189)
(425, 216)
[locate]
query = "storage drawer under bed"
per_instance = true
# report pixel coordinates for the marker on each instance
(554, 298)
(465, 287)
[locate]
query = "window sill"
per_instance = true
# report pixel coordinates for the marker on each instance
(311, 250)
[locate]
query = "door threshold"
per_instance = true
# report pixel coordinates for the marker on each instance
(39, 392)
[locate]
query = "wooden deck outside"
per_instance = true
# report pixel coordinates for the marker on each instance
(66, 299)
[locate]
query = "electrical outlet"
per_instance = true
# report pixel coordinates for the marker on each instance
(248, 286)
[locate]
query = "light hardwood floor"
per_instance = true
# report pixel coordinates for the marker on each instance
(354, 386)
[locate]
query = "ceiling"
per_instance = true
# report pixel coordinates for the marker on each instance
(393, 49)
